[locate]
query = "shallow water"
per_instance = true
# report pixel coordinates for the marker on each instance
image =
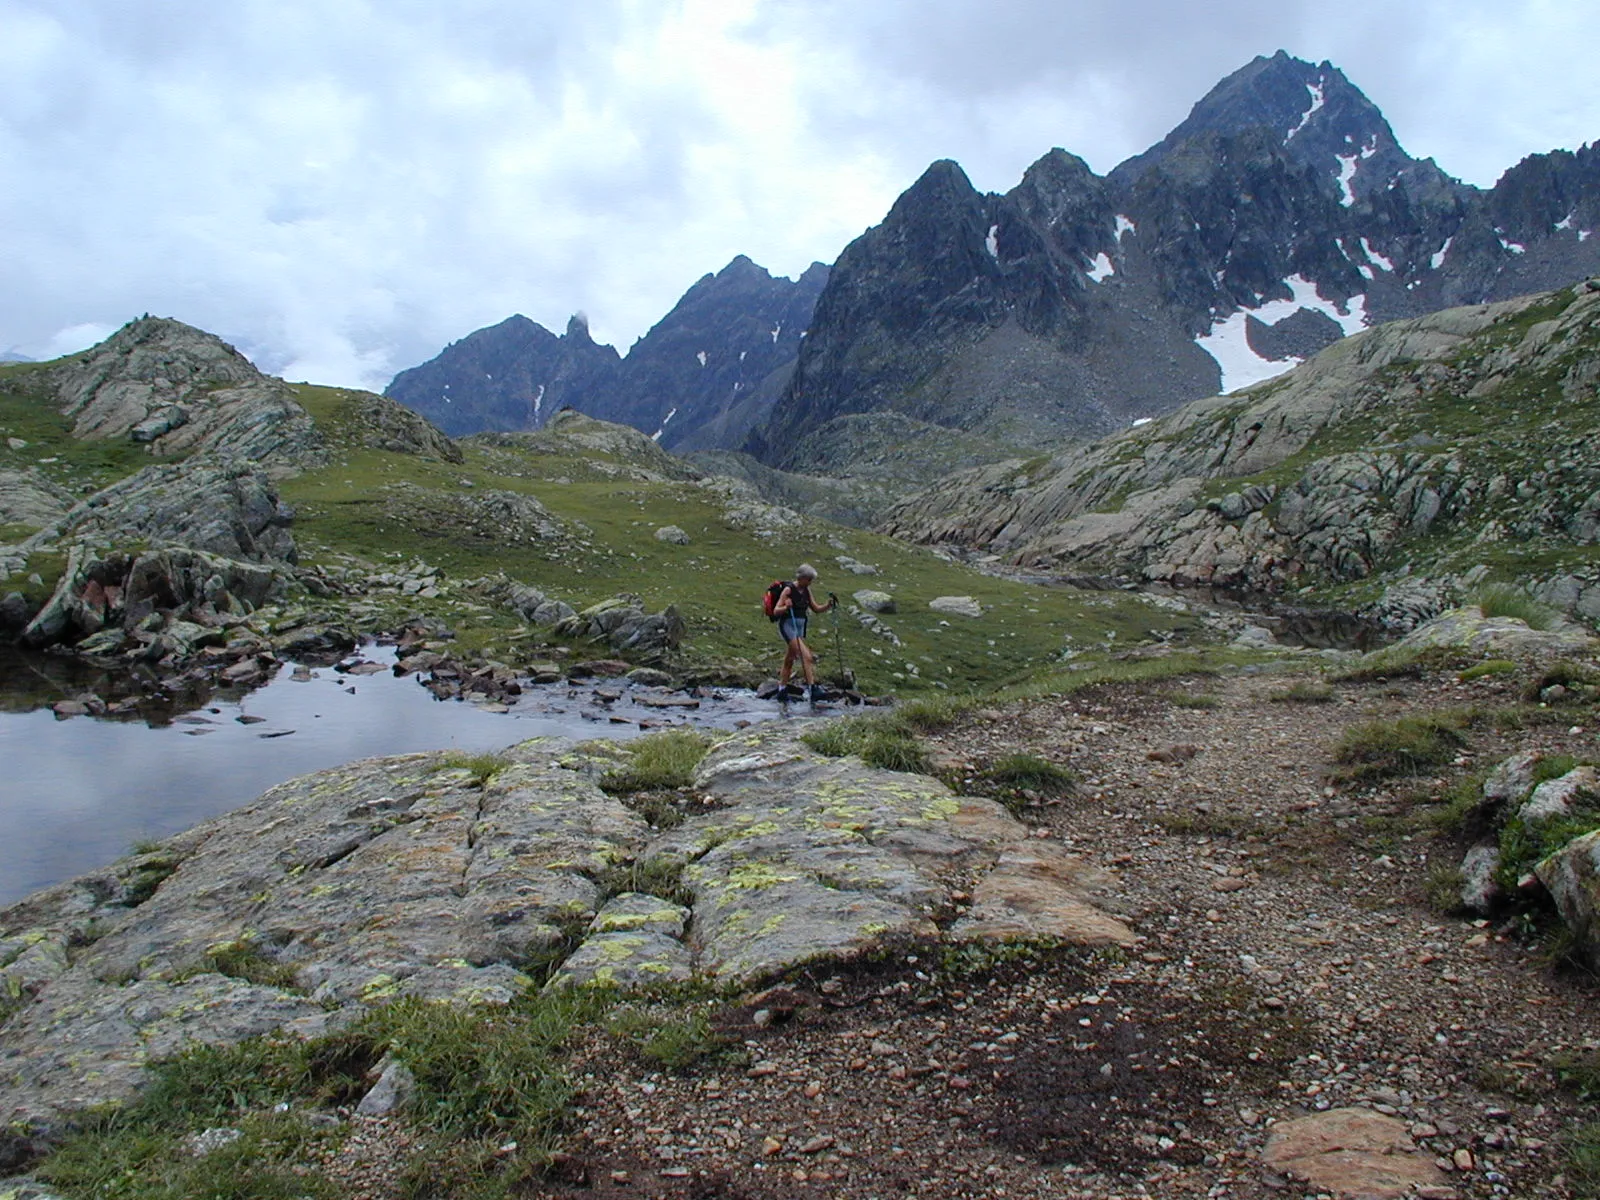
(75, 794)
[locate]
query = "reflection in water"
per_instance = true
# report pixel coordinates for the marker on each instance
(76, 794)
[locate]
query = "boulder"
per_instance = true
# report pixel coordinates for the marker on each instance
(878, 602)
(1479, 891)
(672, 534)
(1493, 637)
(956, 606)
(1351, 1154)
(1572, 876)
(1557, 797)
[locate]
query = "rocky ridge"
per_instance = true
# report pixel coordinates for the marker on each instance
(1281, 215)
(701, 378)
(1414, 452)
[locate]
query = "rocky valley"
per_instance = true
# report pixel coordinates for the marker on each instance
(1111, 864)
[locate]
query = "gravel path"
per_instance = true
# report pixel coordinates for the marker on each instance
(1289, 966)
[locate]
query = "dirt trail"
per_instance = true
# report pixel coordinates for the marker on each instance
(1290, 965)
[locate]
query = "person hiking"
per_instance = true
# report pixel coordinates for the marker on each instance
(795, 604)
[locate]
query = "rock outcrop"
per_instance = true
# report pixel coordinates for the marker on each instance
(412, 876)
(180, 391)
(1424, 445)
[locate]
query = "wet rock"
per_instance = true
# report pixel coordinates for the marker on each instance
(650, 677)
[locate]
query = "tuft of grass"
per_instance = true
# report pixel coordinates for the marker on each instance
(1407, 746)
(659, 762)
(147, 874)
(1578, 1071)
(1193, 700)
(1583, 1161)
(1020, 779)
(656, 877)
(1488, 669)
(1458, 805)
(481, 767)
(673, 1038)
(929, 714)
(1508, 600)
(1524, 844)
(243, 960)
(1581, 682)
(1442, 889)
(879, 741)
(1304, 691)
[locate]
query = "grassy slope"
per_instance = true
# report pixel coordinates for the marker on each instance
(352, 507)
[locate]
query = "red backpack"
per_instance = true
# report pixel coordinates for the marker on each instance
(770, 598)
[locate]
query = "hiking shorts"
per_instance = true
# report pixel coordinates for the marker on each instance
(790, 628)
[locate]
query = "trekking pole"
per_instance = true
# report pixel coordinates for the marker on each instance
(845, 678)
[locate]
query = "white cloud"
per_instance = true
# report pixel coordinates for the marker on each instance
(340, 188)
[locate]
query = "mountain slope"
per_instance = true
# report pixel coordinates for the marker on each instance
(701, 378)
(1451, 447)
(1279, 216)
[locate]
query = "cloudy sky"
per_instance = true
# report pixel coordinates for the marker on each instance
(341, 187)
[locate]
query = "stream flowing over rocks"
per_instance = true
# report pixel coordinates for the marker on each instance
(412, 876)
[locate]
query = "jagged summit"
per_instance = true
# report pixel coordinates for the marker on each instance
(1281, 214)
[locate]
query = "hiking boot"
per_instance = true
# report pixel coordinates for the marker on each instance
(815, 695)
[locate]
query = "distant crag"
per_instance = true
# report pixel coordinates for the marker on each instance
(701, 378)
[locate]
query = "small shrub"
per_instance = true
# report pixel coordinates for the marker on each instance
(1578, 1071)
(1507, 600)
(1407, 746)
(659, 762)
(1304, 691)
(1524, 844)
(1488, 669)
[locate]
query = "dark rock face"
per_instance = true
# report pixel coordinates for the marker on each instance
(513, 375)
(1280, 215)
(701, 378)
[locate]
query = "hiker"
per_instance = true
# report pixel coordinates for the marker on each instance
(794, 606)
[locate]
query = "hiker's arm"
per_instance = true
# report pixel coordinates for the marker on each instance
(785, 602)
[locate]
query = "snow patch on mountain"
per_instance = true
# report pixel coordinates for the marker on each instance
(1347, 171)
(1125, 225)
(1228, 342)
(1101, 269)
(1437, 260)
(1316, 102)
(671, 412)
(1375, 258)
(992, 242)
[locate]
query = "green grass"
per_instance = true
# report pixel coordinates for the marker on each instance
(1304, 691)
(482, 767)
(1583, 1161)
(1488, 669)
(1508, 600)
(486, 1078)
(1018, 780)
(1524, 844)
(878, 740)
(244, 960)
(674, 1038)
(658, 762)
(1406, 746)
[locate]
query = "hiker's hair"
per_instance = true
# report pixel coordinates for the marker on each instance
(805, 571)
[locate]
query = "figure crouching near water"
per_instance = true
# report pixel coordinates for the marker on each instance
(795, 604)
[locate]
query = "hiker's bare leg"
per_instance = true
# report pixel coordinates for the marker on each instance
(789, 656)
(806, 663)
